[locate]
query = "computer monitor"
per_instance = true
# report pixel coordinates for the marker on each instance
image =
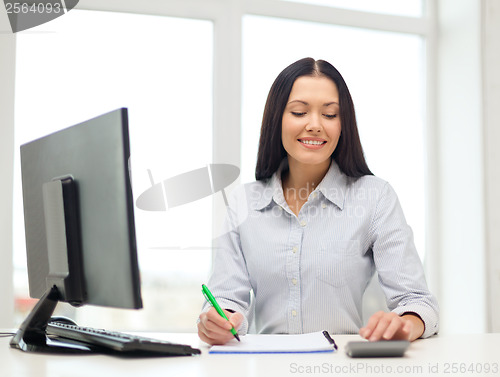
(79, 222)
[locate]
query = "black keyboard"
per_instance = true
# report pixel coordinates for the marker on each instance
(115, 342)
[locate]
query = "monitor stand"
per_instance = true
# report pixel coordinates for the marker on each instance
(31, 336)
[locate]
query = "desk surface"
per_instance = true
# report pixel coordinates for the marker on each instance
(449, 355)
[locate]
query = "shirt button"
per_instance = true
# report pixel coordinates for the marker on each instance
(294, 313)
(323, 205)
(315, 195)
(294, 281)
(302, 223)
(295, 249)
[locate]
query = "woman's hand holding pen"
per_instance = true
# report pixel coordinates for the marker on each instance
(213, 329)
(390, 326)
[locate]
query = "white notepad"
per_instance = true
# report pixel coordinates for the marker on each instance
(278, 343)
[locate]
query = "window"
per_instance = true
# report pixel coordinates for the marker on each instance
(78, 67)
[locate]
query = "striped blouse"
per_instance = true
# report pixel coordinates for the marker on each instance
(299, 274)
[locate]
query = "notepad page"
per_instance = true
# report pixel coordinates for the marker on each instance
(276, 343)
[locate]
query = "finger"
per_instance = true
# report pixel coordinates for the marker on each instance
(407, 330)
(212, 334)
(236, 319)
(211, 340)
(382, 326)
(215, 340)
(203, 336)
(404, 330)
(366, 331)
(202, 330)
(216, 318)
(397, 324)
(408, 326)
(213, 328)
(217, 328)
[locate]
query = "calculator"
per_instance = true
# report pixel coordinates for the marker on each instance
(381, 348)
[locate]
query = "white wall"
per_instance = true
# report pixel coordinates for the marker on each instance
(491, 96)
(7, 66)
(460, 157)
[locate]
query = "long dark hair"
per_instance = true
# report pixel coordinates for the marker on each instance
(348, 154)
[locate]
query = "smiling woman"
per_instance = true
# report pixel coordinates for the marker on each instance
(318, 259)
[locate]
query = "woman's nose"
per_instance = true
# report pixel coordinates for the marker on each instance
(314, 124)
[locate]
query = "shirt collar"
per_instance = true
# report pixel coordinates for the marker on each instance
(333, 187)
(273, 189)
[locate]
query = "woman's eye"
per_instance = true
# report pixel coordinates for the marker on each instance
(331, 116)
(298, 113)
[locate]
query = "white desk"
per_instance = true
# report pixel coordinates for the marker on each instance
(450, 355)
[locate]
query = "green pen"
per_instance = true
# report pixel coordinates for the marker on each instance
(211, 299)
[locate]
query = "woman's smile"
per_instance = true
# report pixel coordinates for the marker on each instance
(312, 143)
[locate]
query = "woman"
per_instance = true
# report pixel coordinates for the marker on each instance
(304, 240)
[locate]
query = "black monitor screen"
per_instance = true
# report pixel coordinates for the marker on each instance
(95, 155)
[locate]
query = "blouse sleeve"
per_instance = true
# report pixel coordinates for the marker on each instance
(229, 281)
(400, 270)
